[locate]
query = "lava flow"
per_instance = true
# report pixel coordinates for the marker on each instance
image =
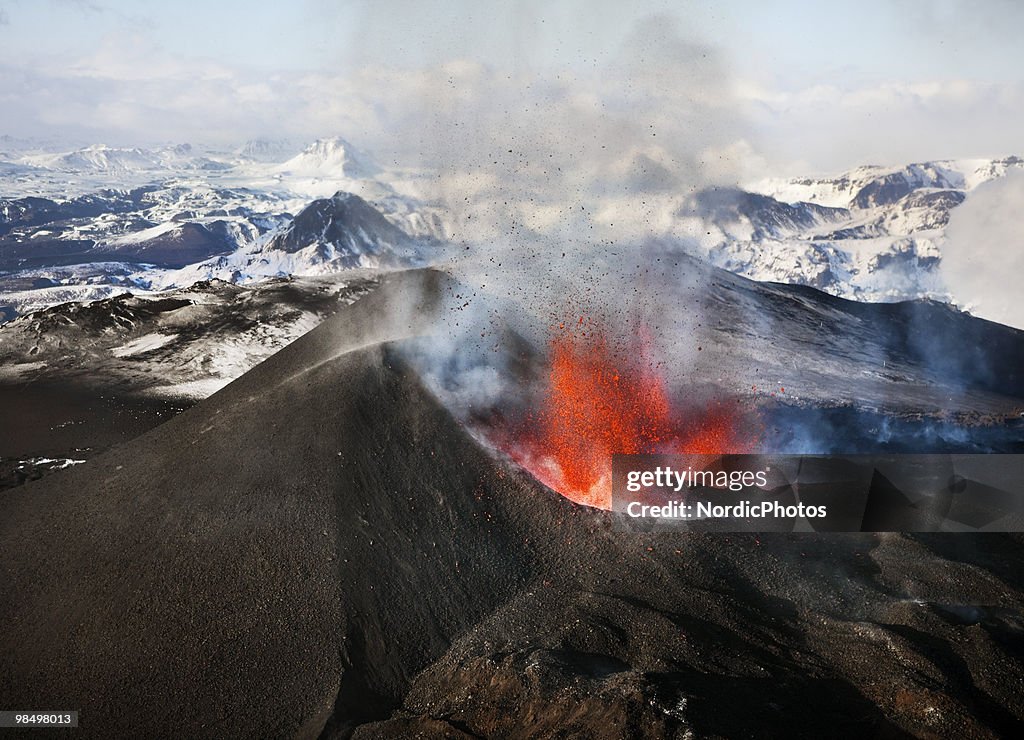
(602, 400)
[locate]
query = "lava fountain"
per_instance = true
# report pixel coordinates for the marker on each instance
(606, 395)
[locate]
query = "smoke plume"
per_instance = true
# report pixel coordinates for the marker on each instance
(983, 257)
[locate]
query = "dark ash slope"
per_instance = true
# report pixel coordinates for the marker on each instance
(319, 548)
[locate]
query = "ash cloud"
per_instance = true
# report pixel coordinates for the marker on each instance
(589, 155)
(559, 184)
(511, 297)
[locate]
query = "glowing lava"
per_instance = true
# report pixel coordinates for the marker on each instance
(602, 400)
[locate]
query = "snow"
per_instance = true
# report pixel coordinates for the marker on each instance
(192, 389)
(26, 301)
(19, 370)
(143, 344)
(866, 252)
(838, 192)
(55, 463)
(885, 252)
(329, 158)
(137, 237)
(267, 150)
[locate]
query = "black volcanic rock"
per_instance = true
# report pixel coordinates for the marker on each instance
(82, 377)
(33, 211)
(214, 598)
(141, 345)
(893, 187)
(25, 254)
(955, 347)
(181, 246)
(345, 228)
(321, 550)
(938, 203)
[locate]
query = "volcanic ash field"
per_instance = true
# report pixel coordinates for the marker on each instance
(347, 542)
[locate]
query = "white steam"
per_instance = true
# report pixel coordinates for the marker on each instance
(983, 258)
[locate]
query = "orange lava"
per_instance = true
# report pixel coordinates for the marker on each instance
(603, 400)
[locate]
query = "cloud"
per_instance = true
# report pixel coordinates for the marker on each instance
(84, 6)
(519, 151)
(994, 19)
(644, 121)
(983, 257)
(830, 128)
(512, 148)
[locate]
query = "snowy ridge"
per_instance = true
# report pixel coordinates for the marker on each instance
(197, 225)
(329, 235)
(81, 224)
(873, 233)
(181, 343)
(330, 158)
(860, 186)
(106, 159)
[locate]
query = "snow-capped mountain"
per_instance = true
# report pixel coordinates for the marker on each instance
(85, 223)
(172, 233)
(346, 228)
(331, 159)
(870, 185)
(101, 158)
(154, 239)
(871, 234)
(330, 235)
(271, 165)
(165, 226)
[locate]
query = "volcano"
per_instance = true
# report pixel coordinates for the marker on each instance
(321, 549)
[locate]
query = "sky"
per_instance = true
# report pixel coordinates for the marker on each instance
(755, 88)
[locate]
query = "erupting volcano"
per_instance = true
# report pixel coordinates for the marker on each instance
(365, 569)
(607, 395)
